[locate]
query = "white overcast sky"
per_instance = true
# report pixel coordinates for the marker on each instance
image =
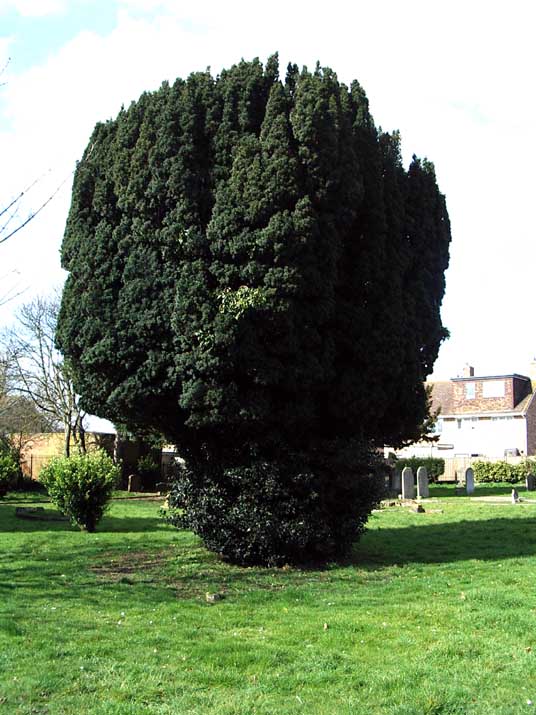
(455, 77)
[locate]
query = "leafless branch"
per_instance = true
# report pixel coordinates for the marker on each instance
(4, 68)
(33, 214)
(10, 293)
(34, 368)
(10, 212)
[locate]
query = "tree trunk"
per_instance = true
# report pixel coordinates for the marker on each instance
(67, 439)
(82, 436)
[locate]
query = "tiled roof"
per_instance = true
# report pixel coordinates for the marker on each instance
(442, 397)
(522, 406)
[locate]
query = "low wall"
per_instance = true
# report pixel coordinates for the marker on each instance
(461, 463)
(38, 449)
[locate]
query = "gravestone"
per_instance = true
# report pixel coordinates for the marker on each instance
(530, 482)
(134, 483)
(396, 482)
(408, 485)
(469, 481)
(422, 483)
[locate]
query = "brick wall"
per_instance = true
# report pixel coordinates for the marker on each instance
(515, 390)
(460, 403)
(38, 449)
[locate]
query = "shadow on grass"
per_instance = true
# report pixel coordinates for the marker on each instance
(509, 536)
(154, 570)
(115, 524)
(155, 565)
(482, 539)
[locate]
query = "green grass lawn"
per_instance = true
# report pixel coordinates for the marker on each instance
(435, 613)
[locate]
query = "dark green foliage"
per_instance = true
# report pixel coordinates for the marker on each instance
(27, 484)
(503, 471)
(81, 486)
(435, 466)
(253, 274)
(149, 471)
(9, 471)
(296, 507)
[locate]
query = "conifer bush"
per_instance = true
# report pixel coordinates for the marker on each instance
(81, 486)
(255, 275)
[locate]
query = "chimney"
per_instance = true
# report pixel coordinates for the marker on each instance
(469, 370)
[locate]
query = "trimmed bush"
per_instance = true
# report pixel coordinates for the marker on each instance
(503, 471)
(9, 471)
(435, 466)
(81, 486)
(294, 509)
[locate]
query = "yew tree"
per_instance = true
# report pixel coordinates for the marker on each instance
(255, 275)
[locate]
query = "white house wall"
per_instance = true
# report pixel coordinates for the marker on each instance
(488, 437)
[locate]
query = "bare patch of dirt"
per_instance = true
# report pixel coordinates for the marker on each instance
(118, 567)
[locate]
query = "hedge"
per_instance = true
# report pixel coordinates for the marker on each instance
(503, 471)
(435, 466)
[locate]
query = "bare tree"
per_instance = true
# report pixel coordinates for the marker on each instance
(11, 218)
(34, 384)
(20, 421)
(35, 370)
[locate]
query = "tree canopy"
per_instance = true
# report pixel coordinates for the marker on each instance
(254, 274)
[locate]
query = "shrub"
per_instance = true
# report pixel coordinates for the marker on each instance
(81, 486)
(435, 466)
(297, 508)
(503, 471)
(9, 471)
(149, 471)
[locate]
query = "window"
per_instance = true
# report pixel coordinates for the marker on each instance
(470, 390)
(493, 388)
(438, 426)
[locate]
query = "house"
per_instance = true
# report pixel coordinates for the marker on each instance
(491, 416)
